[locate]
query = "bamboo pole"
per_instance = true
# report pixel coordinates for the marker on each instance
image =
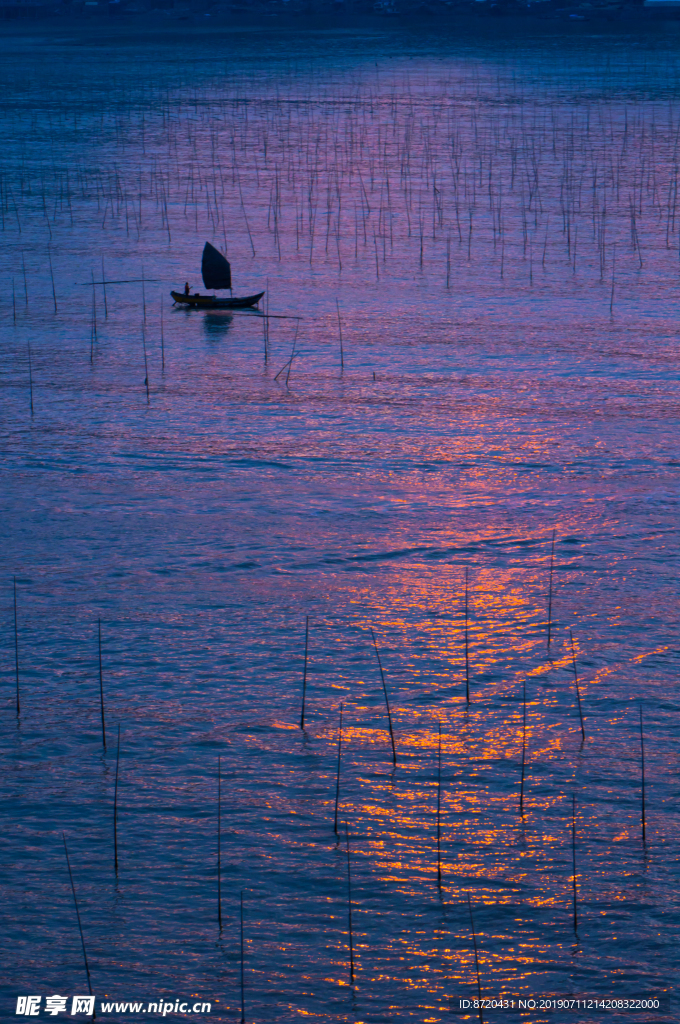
(578, 692)
(349, 909)
(101, 680)
(16, 647)
(387, 703)
(115, 807)
(467, 642)
(304, 674)
(30, 377)
(573, 860)
(243, 986)
(219, 843)
(524, 746)
(642, 775)
(474, 943)
(337, 781)
(439, 804)
(550, 586)
(80, 927)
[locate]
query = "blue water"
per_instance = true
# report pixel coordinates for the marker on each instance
(499, 229)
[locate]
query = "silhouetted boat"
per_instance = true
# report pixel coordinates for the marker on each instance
(216, 273)
(213, 302)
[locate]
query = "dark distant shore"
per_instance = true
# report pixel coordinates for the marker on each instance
(127, 20)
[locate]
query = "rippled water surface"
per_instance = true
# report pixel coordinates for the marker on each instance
(481, 244)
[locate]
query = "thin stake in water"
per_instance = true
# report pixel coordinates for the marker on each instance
(642, 770)
(550, 586)
(265, 323)
(578, 692)
(54, 294)
(219, 843)
(16, 645)
(439, 806)
(101, 681)
(573, 858)
(337, 781)
(162, 338)
(245, 217)
(287, 366)
(30, 376)
(524, 747)
(80, 927)
(467, 641)
(106, 308)
(342, 355)
(115, 808)
(474, 944)
(304, 674)
(146, 364)
(243, 987)
(387, 703)
(93, 326)
(349, 909)
(293, 353)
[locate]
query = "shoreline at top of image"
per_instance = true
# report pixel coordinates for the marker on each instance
(125, 22)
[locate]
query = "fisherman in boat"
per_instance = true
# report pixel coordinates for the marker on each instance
(216, 273)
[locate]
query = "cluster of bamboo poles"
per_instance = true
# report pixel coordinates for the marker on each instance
(406, 175)
(341, 826)
(409, 173)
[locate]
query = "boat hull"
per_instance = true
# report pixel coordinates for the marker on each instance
(212, 302)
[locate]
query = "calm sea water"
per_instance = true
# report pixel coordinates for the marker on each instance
(493, 233)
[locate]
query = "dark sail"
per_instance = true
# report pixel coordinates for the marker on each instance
(215, 268)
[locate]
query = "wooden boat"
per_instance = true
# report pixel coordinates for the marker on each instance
(216, 273)
(214, 302)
